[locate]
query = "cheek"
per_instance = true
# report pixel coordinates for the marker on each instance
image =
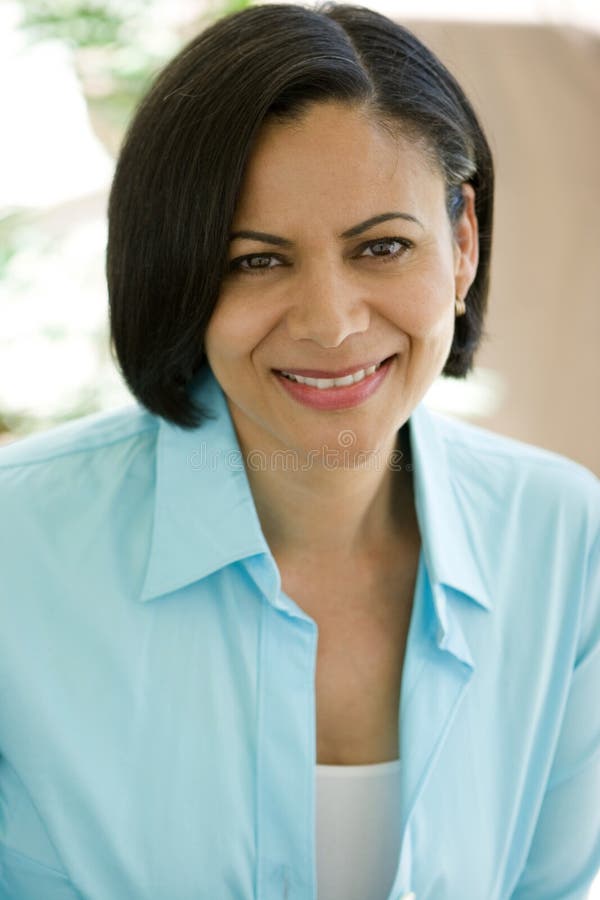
(234, 329)
(423, 307)
(222, 336)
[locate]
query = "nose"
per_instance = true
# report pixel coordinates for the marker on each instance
(327, 308)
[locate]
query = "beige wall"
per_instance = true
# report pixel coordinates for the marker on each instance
(537, 91)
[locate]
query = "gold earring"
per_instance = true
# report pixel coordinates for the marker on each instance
(460, 306)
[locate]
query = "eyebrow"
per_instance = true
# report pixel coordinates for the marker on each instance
(351, 232)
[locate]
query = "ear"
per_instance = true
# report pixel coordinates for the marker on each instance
(466, 244)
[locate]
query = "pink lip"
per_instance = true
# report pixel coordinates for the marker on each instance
(318, 373)
(343, 397)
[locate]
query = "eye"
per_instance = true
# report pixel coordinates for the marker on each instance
(260, 263)
(403, 245)
(251, 268)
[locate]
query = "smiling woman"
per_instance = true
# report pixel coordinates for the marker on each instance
(338, 302)
(282, 631)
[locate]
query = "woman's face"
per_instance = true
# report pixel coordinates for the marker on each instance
(305, 297)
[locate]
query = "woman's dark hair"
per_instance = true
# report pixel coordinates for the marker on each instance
(181, 165)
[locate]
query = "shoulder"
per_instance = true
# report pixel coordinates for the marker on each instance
(517, 479)
(473, 448)
(87, 434)
(76, 459)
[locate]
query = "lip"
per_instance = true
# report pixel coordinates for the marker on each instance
(343, 397)
(338, 373)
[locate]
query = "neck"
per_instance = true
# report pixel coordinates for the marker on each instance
(333, 513)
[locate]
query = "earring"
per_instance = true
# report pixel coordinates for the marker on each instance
(460, 306)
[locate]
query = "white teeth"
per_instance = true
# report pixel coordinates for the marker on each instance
(325, 383)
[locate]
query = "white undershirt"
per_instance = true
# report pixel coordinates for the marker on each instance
(357, 830)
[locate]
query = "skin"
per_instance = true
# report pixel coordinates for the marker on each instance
(330, 303)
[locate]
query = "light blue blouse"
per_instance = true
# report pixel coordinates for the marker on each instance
(157, 703)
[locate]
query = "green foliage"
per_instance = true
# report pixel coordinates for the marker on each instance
(112, 54)
(233, 6)
(80, 24)
(15, 235)
(98, 23)
(116, 56)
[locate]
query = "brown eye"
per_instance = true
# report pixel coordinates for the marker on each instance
(251, 269)
(402, 246)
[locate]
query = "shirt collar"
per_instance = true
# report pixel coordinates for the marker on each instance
(204, 513)
(205, 517)
(448, 546)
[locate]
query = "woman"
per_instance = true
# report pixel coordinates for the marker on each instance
(279, 631)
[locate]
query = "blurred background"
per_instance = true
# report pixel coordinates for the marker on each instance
(71, 74)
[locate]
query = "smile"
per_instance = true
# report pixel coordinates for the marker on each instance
(325, 383)
(340, 392)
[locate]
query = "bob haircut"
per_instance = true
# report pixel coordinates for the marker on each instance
(182, 162)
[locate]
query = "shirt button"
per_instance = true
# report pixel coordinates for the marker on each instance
(411, 896)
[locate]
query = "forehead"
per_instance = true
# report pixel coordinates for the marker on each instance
(336, 158)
